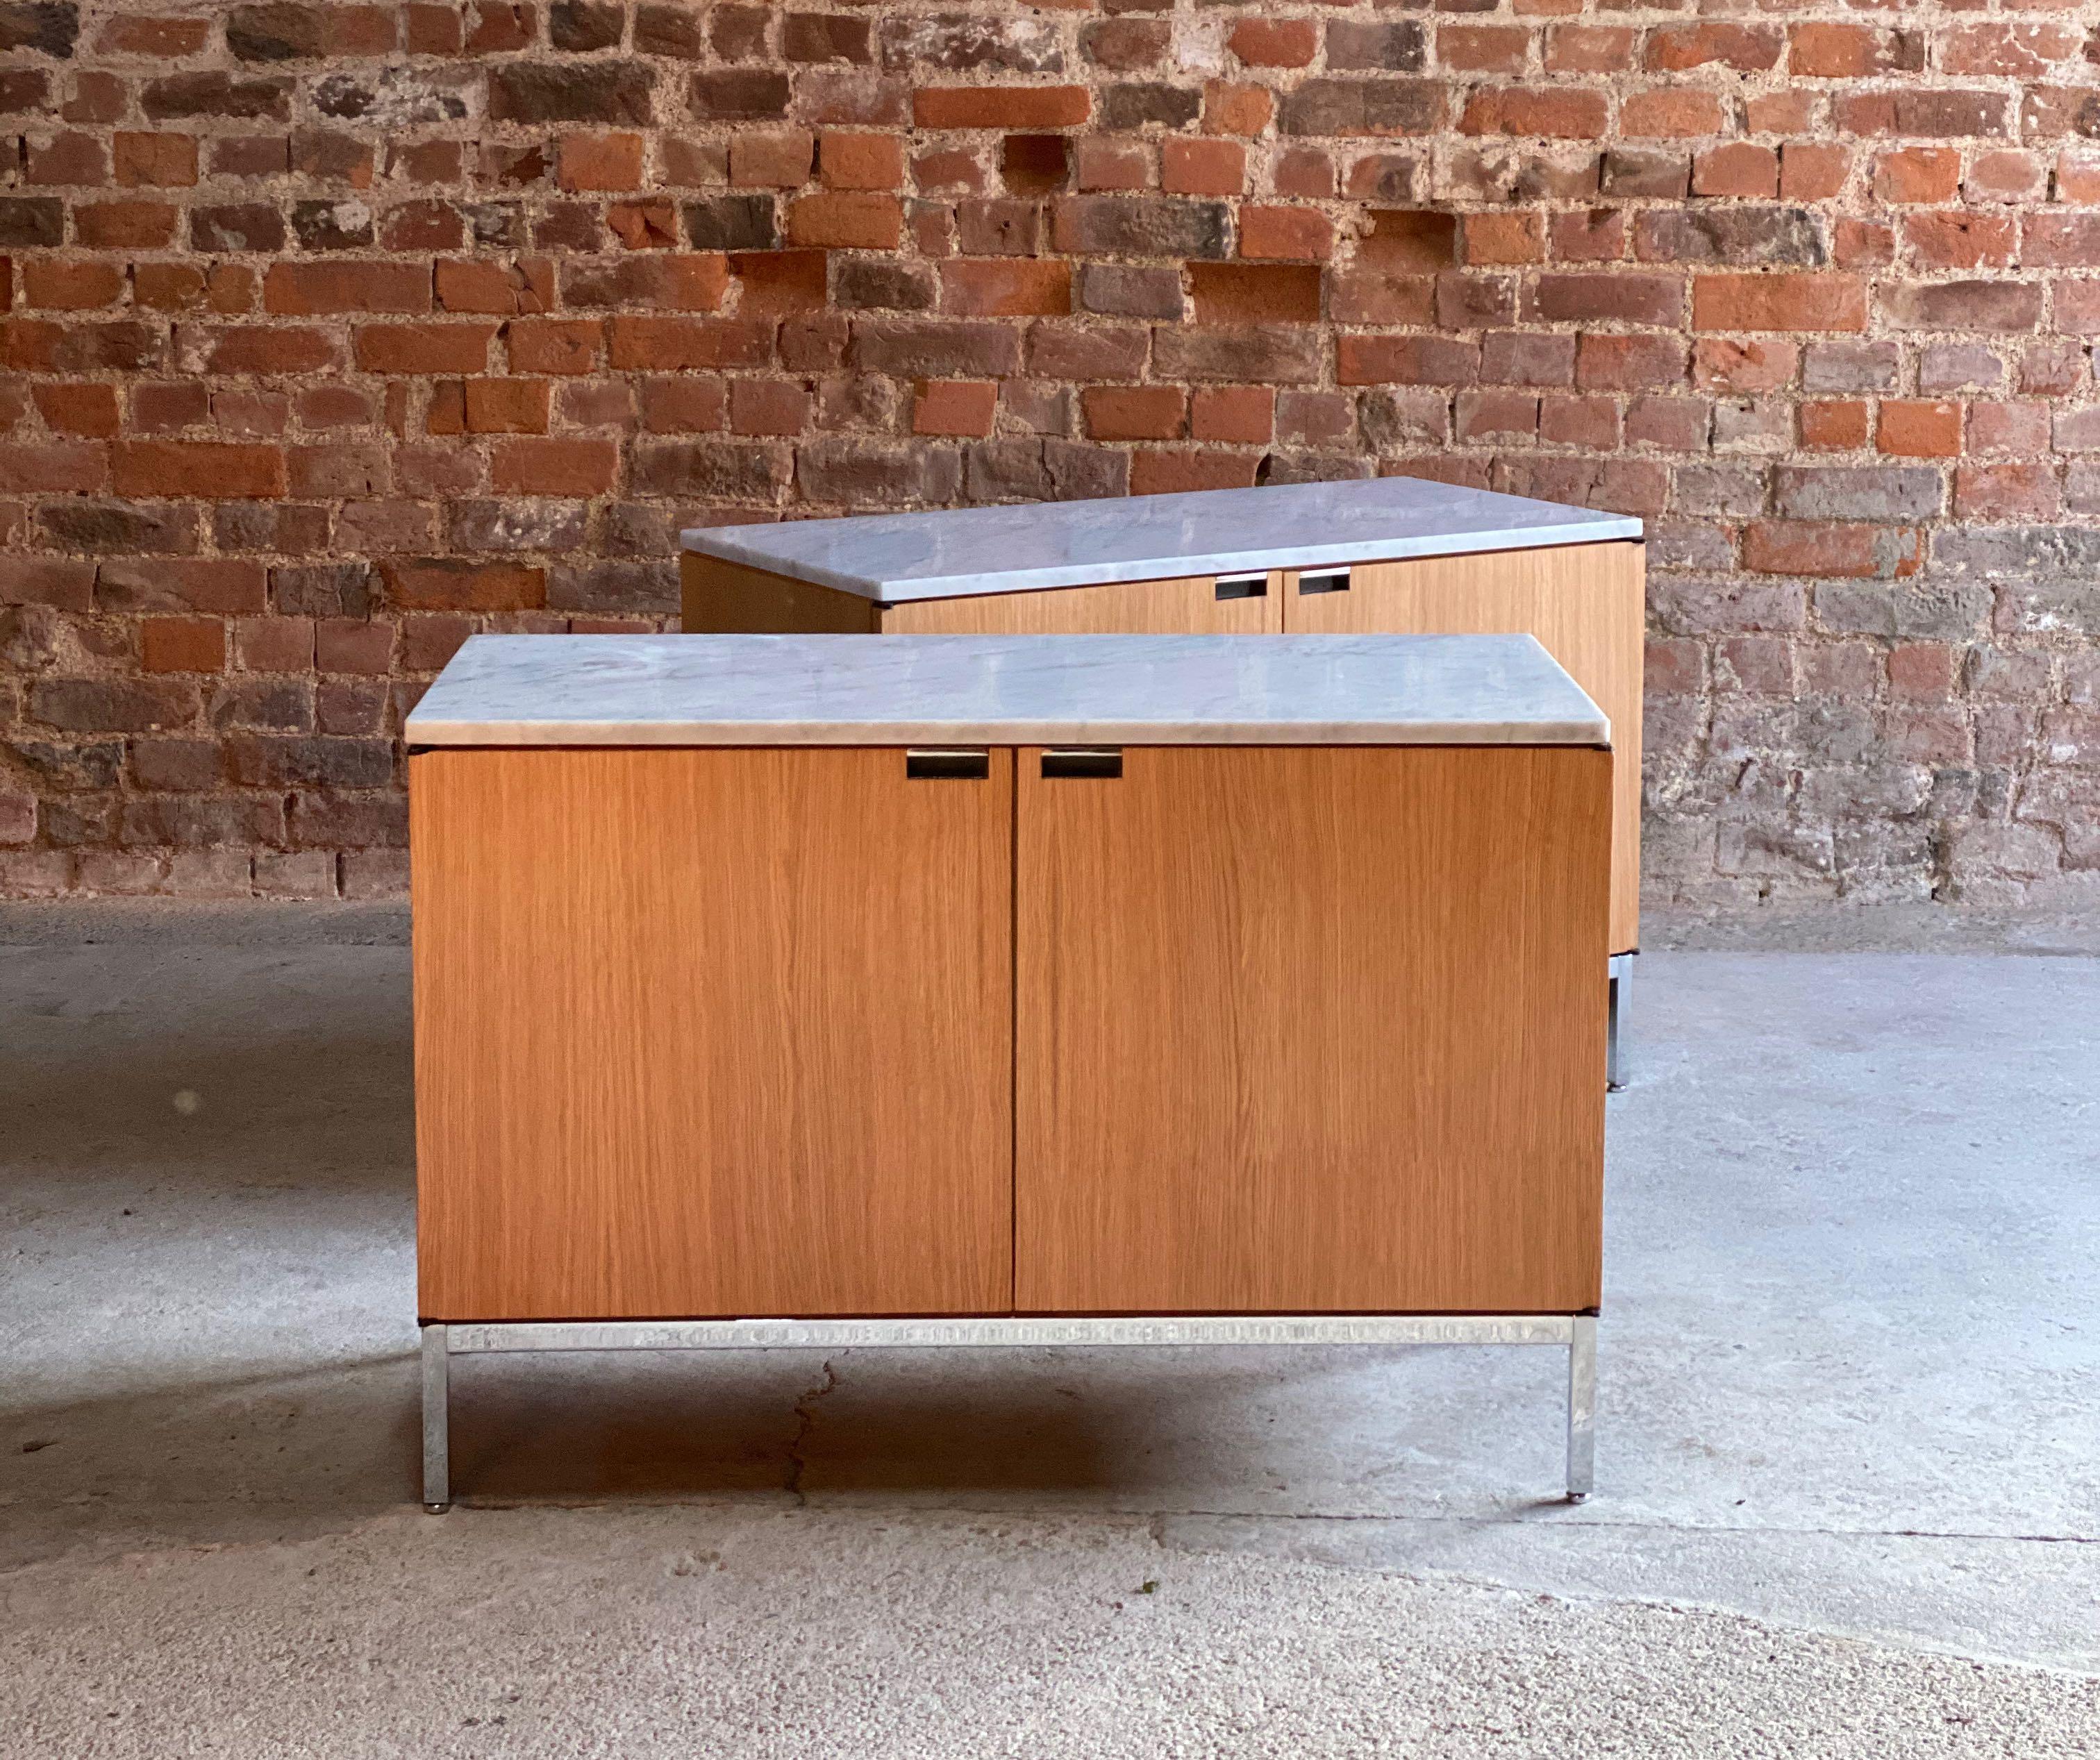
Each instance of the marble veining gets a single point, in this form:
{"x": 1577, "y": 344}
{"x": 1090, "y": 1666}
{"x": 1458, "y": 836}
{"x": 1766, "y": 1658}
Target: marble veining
{"x": 957, "y": 552}
{"x": 826, "y": 690}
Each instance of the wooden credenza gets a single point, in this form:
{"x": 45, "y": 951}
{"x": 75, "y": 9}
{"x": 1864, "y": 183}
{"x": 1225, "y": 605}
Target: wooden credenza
{"x": 1392, "y": 555}
{"x": 1003, "y": 981}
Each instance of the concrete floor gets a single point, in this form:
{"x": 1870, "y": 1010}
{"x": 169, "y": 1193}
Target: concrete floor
{"x": 1849, "y": 1462}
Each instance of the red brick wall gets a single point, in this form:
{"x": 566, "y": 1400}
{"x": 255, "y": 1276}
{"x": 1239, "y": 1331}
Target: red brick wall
{"x": 334, "y": 331}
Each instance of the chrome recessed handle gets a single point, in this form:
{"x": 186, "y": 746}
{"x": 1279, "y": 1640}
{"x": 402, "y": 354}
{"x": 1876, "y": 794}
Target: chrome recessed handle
{"x": 1326, "y": 580}
{"x": 927, "y": 764}
{"x": 1105, "y": 761}
{"x": 1241, "y": 587}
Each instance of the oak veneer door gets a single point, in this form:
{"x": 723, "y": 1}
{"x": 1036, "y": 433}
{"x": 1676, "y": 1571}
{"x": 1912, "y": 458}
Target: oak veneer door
{"x": 711, "y": 1032}
{"x": 1587, "y": 605}
{"x": 1306, "y": 1029}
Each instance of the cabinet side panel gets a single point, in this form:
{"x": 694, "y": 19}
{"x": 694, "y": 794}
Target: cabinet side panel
{"x": 1586, "y": 603}
{"x": 711, "y": 1033}
{"x": 1304, "y": 1028}
{"x": 719, "y": 598}
{"x": 1188, "y": 606}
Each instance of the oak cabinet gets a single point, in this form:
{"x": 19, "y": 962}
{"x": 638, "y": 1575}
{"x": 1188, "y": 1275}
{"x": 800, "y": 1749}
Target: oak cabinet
{"x": 1579, "y": 588}
{"x": 874, "y": 1029}
{"x": 807, "y": 989}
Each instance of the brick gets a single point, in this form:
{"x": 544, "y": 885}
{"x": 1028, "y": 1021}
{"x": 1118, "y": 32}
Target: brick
{"x": 554, "y": 466}
{"x": 1921, "y": 113}
{"x": 2023, "y": 49}
{"x": 781, "y": 159}
{"x": 1851, "y": 52}
{"x": 1959, "y": 239}
{"x": 1565, "y": 114}
{"x": 1179, "y": 472}
{"x": 458, "y": 584}
{"x": 154, "y": 159}
{"x": 1746, "y": 48}
{"x": 1202, "y": 166}
{"x": 1980, "y": 305}
{"x": 861, "y": 220}
{"x": 59, "y": 285}
{"x": 1240, "y": 294}
{"x": 310, "y": 288}
{"x": 202, "y": 468}
{"x": 1000, "y": 106}
{"x": 1740, "y": 168}
{"x": 83, "y": 411}
{"x": 424, "y": 348}
{"x": 1915, "y": 428}
{"x": 602, "y": 91}
{"x": 1590, "y": 48}
{"x": 611, "y": 162}
{"x": 1274, "y": 42}
{"x": 480, "y": 284}
{"x": 999, "y": 287}
{"x": 1139, "y": 226}
{"x": 1135, "y": 413}
{"x": 1642, "y": 299}
{"x": 2005, "y": 176}
{"x": 1507, "y": 238}
{"x": 1232, "y": 109}
{"x": 2006, "y": 493}
{"x": 32, "y": 223}
{"x": 1778, "y": 302}
{"x": 963, "y": 408}
{"x": 182, "y": 645}
{"x": 118, "y": 225}
{"x": 1831, "y": 550}
{"x": 1480, "y": 48}
{"x": 1281, "y": 233}
{"x": 1838, "y": 424}
{"x": 507, "y": 406}
{"x": 1675, "y": 111}
{"x": 1240, "y": 414}
{"x": 1813, "y": 171}
{"x": 1744, "y": 364}
{"x": 846, "y": 160}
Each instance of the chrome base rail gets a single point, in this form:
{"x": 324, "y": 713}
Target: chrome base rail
{"x": 441, "y": 1341}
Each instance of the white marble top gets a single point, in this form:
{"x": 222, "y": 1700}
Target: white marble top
{"x": 895, "y": 556}
{"x": 843, "y": 691}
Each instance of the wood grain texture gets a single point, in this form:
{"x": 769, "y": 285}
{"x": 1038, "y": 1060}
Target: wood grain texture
{"x": 719, "y": 598}
{"x": 1131, "y": 608}
{"x": 1586, "y": 603}
{"x": 711, "y": 1032}
{"x": 1307, "y": 1028}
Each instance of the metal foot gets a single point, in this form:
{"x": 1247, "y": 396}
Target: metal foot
{"x": 1620, "y": 969}
{"x": 437, "y": 1423}
{"x": 1582, "y": 1408}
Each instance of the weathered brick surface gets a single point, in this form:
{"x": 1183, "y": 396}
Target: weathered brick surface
{"x": 332, "y": 333}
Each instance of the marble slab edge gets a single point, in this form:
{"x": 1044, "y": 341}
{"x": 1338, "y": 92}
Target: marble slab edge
{"x": 709, "y": 541}
{"x": 892, "y": 733}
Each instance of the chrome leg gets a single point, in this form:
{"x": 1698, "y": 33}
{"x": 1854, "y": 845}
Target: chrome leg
{"x": 1621, "y": 970}
{"x": 1582, "y": 1408}
{"x": 437, "y": 1422}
